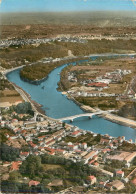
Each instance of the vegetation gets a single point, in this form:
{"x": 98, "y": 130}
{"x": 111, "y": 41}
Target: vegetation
{"x": 3, "y": 131}
{"x": 114, "y": 164}
{"x": 88, "y": 138}
{"x": 99, "y": 46}
{"x": 31, "y": 54}
{"x": 24, "y": 108}
{"x": 64, "y": 84}
{"x": 11, "y": 186}
{"x": 102, "y": 103}
{"x": 8, "y": 153}
{"x": 128, "y": 110}
{"x": 4, "y": 84}
{"x": 39, "y": 71}
{"x": 59, "y": 168}
{"x": 127, "y": 147}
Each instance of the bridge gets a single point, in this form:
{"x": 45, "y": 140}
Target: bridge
{"x": 89, "y": 115}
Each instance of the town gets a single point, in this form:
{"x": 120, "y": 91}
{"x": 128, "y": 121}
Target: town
{"x": 114, "y": 158}
{"x": 20, "y": 42}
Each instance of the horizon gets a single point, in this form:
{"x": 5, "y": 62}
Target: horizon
{"x": 14, "y": 6}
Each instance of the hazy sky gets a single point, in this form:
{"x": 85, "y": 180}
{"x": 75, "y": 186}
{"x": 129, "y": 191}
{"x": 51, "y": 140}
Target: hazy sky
{"x": 65, "y": 5}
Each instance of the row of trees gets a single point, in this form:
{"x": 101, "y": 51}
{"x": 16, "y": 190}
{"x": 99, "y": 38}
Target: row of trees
{"x": 16, "y": 187}
{"x": 33, "y": 167}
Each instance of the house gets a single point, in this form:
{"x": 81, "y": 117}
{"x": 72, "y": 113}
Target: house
{"x": 105, "y": 141}
{"x": 33, "y": 183}
{"x": 6, "y": 164}
{"x": 23, "y": 155}
{"x": 96, "y": 164}
{"x": 60, "y": 151}
{"x": 108, "y": 186}
{"x": 30, "y": 124}
{"x": 120, "y": 139}
{"x": 89, "y": 156}
{"x": 111, "y": 145}
{"x": 58, "y": 138}
{"x": 91, "y": 162}
{"x": 106, "y": 150}
{"x": 49, "y": 143}
{"x": 34, "y": 146}
{"x": 102, "y": 184}
{"x": 41, "y": 138}
{"x": 75, "y": 134}
{"x": 72, "y": 147}
{"x": 130, "y": 141}
{"x": 84, "y": 146}
{"x": 123, "y": 156}
{"x": 130, "y": 157}
{"x": 91, "y": 179}
{"x": 95, "y": 157}
{"x": 117, "y": 185}
{"x": 120, "y": 173}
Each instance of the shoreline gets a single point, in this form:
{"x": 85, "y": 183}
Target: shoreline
{"x": 110, "y": 117}
{"x": 116, "y": 119}
{"x": 35, "y": 104}
{"x": 37, "y": 82}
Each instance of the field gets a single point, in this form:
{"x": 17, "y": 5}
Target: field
{"x": 10, "y": 96}
{"x": 93, "y": 69}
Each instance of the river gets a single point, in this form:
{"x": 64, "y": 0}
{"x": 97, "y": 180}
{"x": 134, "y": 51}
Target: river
{"x": 57, "y": 105}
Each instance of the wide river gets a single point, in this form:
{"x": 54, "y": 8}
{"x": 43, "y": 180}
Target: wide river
{"x": 57, "y": 105}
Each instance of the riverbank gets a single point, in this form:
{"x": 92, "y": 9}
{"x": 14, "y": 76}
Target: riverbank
{"x": 37, "y": 107}
{"x": 113, "y": 118}
{"x": 110, "y": 117}
{"x": 37, "y": 73}
{"x": 121, "y": 120}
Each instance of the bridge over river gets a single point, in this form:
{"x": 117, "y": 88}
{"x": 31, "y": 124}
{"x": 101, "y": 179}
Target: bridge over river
{"x": 90, "y": 115}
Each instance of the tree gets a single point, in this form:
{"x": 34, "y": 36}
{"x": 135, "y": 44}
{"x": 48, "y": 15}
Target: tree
{"x": 14, "y": 176}
{"x": 31, "y": 166}
{"x": 24, "y": 108}
{"x": 8, "y": 153}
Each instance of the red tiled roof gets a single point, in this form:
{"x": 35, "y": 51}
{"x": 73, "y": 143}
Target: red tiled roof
{"x": 84, "y": 143}
{"x": 75, "y": 132}
{"x": 24, "y": 153}
{"x": 50, "y": 141}
{"x": 91, "y": 161}
{"x": 41, "y": 137}
{"x": 96, "y": 163}
{"x": 59, "y": 150}
{"x": 119, "y": 172}
{"x": 15, "y": 165}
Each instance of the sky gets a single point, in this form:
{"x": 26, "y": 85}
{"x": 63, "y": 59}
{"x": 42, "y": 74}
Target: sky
{"x": 65, "y": 5}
